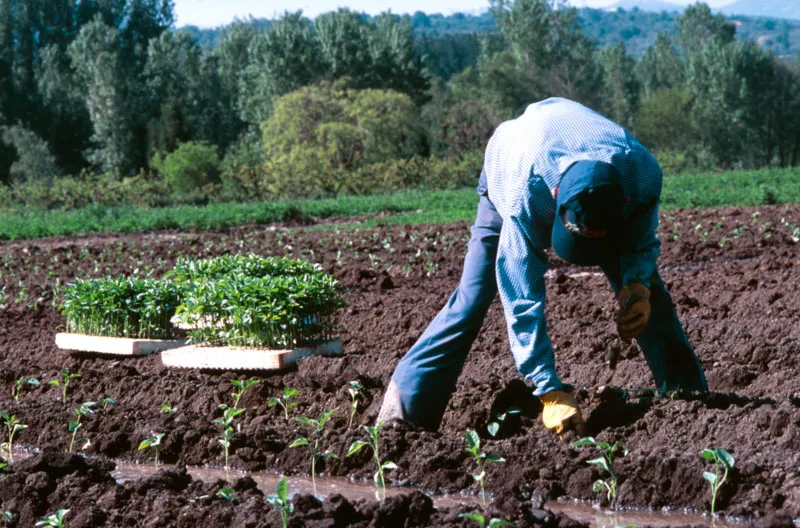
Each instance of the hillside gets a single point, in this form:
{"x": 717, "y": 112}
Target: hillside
{"x": 764, "y": 8}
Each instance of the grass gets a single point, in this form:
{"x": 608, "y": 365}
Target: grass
{"x": 703, "y": 190}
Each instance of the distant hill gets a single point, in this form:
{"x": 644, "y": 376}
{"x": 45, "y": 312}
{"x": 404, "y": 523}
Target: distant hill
{"x": 647, "y": 5}
{"x": 764, "y": 8}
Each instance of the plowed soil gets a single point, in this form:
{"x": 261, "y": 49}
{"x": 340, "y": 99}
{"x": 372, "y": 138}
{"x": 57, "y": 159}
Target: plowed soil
{"x": 734, "y": 275}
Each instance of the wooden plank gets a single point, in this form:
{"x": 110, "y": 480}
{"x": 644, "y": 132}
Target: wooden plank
{"x": 115, "y": 346}
{"x": 238, "y": 358}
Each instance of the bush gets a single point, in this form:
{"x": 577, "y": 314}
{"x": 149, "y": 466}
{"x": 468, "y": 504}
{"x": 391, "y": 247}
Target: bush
{"x": 190, "y": 168}
{"x": 35, "y": 162}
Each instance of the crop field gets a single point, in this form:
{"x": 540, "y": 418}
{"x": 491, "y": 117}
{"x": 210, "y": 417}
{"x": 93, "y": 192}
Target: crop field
{"x": 734, "y": 276}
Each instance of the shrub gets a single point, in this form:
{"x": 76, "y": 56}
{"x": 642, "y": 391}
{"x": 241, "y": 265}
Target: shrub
{"x": 192, "y": 166}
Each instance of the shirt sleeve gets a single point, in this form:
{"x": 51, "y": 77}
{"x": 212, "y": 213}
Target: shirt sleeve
{"x": 641, "y": 246}
{"x": 521, "y": 265}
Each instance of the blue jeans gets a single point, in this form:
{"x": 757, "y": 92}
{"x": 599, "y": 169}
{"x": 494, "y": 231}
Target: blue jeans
{"x": 426, "y": 376}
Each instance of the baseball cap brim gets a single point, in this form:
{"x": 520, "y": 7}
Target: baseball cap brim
{"x": 579, "y": 250}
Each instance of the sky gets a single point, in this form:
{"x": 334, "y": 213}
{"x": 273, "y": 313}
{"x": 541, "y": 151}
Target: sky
{"x": 213, "y": 13}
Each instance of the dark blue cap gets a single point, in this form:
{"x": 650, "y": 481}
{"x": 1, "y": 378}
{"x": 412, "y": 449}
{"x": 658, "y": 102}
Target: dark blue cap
{"x": 589, "y": 204}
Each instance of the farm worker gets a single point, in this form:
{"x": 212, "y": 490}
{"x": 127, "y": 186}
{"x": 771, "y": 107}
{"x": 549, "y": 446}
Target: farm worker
{"x": 560, "y": 176}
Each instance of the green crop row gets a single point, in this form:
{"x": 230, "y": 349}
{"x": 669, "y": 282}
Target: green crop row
{"x": 253, "y": 301}
{"x": 703, "y": 190}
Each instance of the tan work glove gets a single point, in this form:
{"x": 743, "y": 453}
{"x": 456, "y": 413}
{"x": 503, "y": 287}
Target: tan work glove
{"x": 634, "y": 310}
{"x": 561, "y": 413}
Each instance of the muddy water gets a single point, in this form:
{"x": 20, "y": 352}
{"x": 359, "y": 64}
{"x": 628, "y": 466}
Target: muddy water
{"x": 600, "y": 518}
{"x": 326, "y": 486}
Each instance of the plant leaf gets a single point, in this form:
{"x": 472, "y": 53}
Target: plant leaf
{"x": 356, "y": 446}
{"x": 389, "y": 465}
{"x": 585, "y": 441}
{"x": 496, "y": 523}
{"x": 598, "y": 486}
{"x": 479, "y": 476}
{"x": 712, "y": 478}
{"x": 282, "y": 489}
{"x": 473, "y": 440}
{"x": 600, "y": 462}
{"x": 494, "y": 458}
{"x": 146, "y": 443}
{"x": 726, "y": 458}
{"x": 493, "y": 428}
{"x": 302, "y": 441}
{"x": 330, "y": 454}
{"x": 476, "y": 517}
{"x": 708, "y": 454}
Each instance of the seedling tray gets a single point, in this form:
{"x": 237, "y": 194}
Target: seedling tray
{"x": 115, "y": 346}
{"x": 236, "y": 358}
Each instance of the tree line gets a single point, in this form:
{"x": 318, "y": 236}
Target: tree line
{"x": 352, "y": 103}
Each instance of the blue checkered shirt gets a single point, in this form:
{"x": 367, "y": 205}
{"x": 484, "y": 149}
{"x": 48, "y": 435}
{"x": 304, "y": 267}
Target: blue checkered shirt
{"x": 523, "y": 165}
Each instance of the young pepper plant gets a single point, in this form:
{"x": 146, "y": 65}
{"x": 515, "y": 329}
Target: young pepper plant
{"x": 241, "y": 387}
{"x": 354, "y": 389}
{"x": 606, "y": 462}
{"x": 285, "y": 401}
{"x": 724, "y": 462}
{"x": 85, "y": 409}
{"x": 24, "y": 380}
{"x": 154, "y": 442}
{"x": 56, "y": 520}
{"x": 481, "y": 520}
{"x": 281, "y": 502}
{"x": 317, "y": 426}
{"x": 62, "y": 380}
{"x": 374, "y": 439}
{"x": 229, "y": 414}
{"x": 481, "y": 459}
{"x": 13, "y": 426}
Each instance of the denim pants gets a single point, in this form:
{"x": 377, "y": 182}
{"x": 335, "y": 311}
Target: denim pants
{"x": 426, "y": 376}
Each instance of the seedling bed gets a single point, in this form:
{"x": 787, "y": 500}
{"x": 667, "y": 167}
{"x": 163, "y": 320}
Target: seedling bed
{"x": 115, "y": 346}
{"x": 244, "y": 358}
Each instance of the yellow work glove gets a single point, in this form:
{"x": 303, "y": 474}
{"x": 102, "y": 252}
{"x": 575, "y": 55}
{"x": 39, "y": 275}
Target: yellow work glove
{"x": 634, "y": 310}
{"x": 561, "y": 413}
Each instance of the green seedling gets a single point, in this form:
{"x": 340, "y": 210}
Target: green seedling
{"x": 317, "y": 426}
{"x": 7, "y": 515}
{"x": 354, "y": 389}
{"x": 226, "y": 422}
{"x": 109, "y": 400}
{"x": 85, "y": 409}
{"x": 55, "y": 520}
{"x": 606, "y": 462}
{"x": 374, "y": 436}
{"x": 281, "y": 502}
{"x": 3, "y": 465}
{"x": 494, "y": 427}
{"x": 31, "y": 382}
{"x": 62, "y": 380}
{"x": 285, "y": 401}
{"x": 154, "y": 442}
{"x": 723, "y": 462}
{"x": 167, "y": 408}
{"x": 226, "y": 493}
{"x": 241, "y": 387}
{"x": 13, "y": 426}
{"x": 481, "y": 459}
{"x": 481, "y": 520}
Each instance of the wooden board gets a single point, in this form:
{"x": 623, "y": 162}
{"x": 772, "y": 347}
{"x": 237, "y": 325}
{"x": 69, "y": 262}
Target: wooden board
{"x": 115, "y": 346}
{"x": 234, "y": 358}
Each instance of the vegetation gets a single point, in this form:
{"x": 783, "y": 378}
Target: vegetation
{"x": 13, "y": 426}
{"x": 354, "y": 389}
{"x": 317, "y": 428}
{"x": 84, "y": 409}
{"x": 20, "y": 382}
{"x": 229, "y": 414}
{"x": 257, "y": 302}
{"x": 480, "y": 459}
{"x": 606, "y": 462}
{"x": 55, "y": 520}
{"x": 281, "y": 502}
{"x": 241, "y": 387}
{"x": 154, "y": 442}
{"x": 285, "y": 401}
{"x": 723, "y": 463}
{"x": 121, "y": 307}
{"x": 481, "y": 520}
{"x": 374, "y": 442}
{"x": 62, "y": 380}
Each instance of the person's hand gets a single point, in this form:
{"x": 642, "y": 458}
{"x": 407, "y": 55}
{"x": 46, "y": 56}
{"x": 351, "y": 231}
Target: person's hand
{"x": 561, "y": 413}
{"x": 634, "y": 310}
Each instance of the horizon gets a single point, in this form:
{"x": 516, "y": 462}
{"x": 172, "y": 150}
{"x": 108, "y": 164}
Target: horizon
{"x": 213, "y": 13}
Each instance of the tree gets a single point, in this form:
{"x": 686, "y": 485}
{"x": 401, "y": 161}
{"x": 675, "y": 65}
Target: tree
{"x": 697, "y": 25}
{"x": 661, "y": 67}
{"x": 34, "y": 160}
{"x": 620, "y": 94}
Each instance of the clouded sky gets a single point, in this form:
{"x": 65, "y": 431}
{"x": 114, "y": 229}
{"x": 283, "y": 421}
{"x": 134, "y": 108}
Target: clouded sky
{"x": 212, "y": 13}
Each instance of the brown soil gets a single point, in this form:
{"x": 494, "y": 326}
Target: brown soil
{"x": 734, "y": 275}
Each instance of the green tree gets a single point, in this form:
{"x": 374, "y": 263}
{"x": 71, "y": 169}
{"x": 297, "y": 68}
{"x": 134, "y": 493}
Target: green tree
{"x": 620, "y": 93}
{"x": 697, "y": 25}
{"x": 34, "y": 160}
{"x": 661, "y": 67}
{"x": 190, "y": 167}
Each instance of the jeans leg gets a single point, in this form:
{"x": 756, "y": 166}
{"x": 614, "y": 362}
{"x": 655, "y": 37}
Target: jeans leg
{"x": 426, "y": 376}
{"x": 664, "y": 344}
